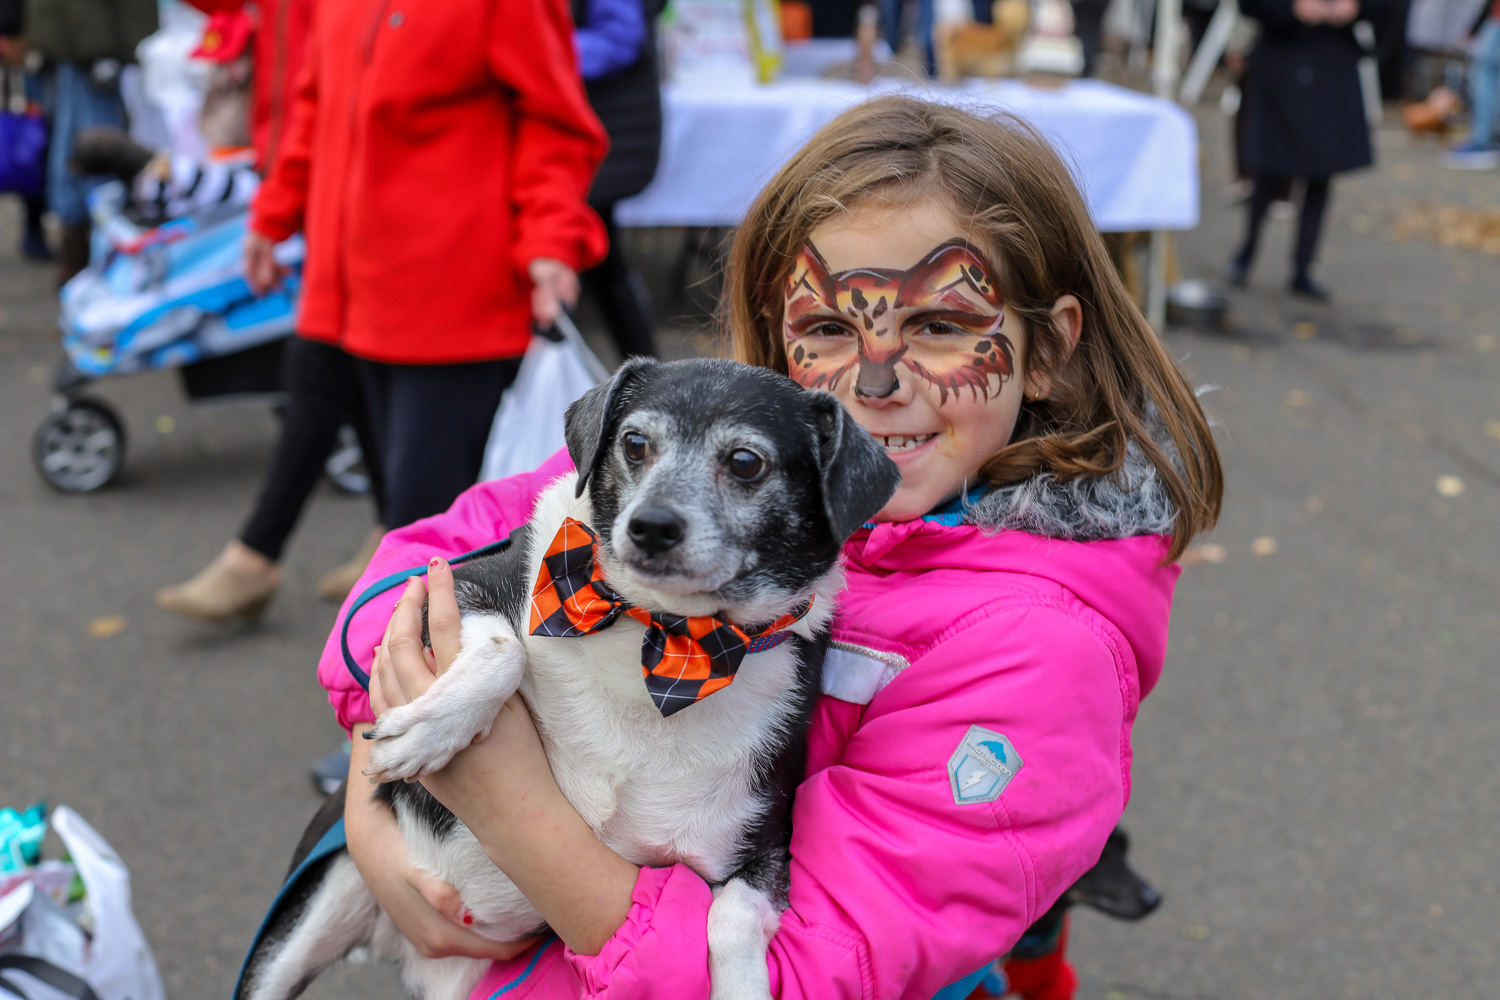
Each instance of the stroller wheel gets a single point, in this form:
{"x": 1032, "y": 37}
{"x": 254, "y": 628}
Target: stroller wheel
{"x": 80, "y": 448}
{"x": 345, "y": 467}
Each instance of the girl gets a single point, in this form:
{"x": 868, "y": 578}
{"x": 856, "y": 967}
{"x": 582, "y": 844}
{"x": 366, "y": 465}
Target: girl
{"x": 938, "y": 271}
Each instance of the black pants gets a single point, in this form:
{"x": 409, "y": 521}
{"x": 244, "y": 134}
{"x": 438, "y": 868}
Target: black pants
{"x": 621, "y": 295}
{"x": 430, "y": 423}
{"x": 323, "y": 394}
{"x": 1309, "y": 221}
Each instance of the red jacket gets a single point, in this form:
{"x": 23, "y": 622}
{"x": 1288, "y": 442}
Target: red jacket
{"x": 280, "y": 43}
{"x": 435, "y": 148}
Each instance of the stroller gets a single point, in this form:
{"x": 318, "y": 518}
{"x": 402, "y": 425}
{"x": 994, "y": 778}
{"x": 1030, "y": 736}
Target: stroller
{"x": 167, "y": 295}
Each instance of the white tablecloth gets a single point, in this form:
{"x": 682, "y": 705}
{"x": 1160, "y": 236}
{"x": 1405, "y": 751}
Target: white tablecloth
{"x": 1135, "y": 156}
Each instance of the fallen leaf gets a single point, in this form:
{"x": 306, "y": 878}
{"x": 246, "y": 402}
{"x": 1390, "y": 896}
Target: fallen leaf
{"x": 165, "y": 424}
{"x": 1195, "y": 932}
{"x": 108, "y": 626}
{"x": 1450, "y": 486}
{"x": 1304, "y": 330}
{"x": 36, "y": 376}
{"x": 1313, "y": 505}
{"x": 1265, "y": 545}
{"x": 1492, "y": 428}
{"x": 1486, "y": 342}
{"x": 1296, "y": 398}
{"x": 1200, "y": 554}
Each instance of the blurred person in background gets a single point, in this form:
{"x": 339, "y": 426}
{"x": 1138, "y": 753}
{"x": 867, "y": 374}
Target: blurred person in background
{"x": 1480, "y": 151}
{"x": 13, "y": 59}
{"x": 616, "y": 43}
{"x": 438, "y": 159}
{"x": 86, "y": 44}
{"x": 1302, "y": 116}
{"x": 322, "y": 384}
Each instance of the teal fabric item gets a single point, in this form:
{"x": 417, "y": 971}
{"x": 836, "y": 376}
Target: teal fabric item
{"x": 526, "y": 972}
{"x": 952, "y": 512}
{"x": 961, "y": 989}
{"x": 330, "y": 843}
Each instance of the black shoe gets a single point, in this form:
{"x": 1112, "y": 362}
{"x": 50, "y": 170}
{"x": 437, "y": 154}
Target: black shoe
{"x": 34, "y": 245}
{"x": 1304, "y": 287}
{"x": 1238, "y": 272}
{"x": 330, "y": 770}
{"x": 104, "y": 150}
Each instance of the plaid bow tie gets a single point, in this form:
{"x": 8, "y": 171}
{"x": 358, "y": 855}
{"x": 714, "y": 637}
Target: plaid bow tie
{"x": 684, "y": 660}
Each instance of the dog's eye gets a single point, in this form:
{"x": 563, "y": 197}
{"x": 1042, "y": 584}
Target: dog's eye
{"x": 633, "y": 445}
{"x": 746, "y": 466}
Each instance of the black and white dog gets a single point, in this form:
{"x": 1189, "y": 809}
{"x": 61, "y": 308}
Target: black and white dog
{"x": 718, "y": 491}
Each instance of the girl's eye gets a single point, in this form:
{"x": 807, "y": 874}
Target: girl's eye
{"x": 746, "y": 466}
{"x": 938, "y": 328}
{"x": 633, "y": 445}
{"x": 827, "y": 330}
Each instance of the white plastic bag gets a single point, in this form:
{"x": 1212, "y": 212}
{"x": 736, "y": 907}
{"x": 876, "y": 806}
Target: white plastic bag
{"x": 115, "y": 960}
{"x": 528, "y": 425}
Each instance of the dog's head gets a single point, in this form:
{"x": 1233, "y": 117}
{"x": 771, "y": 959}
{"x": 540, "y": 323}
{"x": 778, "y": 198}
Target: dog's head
{"x": 719, "y": 487}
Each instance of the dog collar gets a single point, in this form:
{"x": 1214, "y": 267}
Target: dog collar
{"x": 683, "y": 659}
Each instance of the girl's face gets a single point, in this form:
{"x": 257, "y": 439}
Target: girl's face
{"x": 896, "y": 312}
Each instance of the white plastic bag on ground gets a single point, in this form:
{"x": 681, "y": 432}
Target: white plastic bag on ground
{"x": 115, "y": 961}
{"x": 528, "y": 425}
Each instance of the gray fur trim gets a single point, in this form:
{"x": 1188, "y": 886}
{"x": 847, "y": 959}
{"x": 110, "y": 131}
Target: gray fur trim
{"x": 1131, "y": 502}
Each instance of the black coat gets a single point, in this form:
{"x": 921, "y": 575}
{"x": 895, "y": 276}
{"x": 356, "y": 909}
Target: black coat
{"x": 628, "y": 103}
{"x": 1303, "y": 114}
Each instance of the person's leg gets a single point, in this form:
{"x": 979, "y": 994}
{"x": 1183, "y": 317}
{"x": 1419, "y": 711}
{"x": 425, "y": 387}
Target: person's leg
{"x": 33, "y": 237}
{"x": 1261, "y": 196}
{"x": 1309, "y": 228}
{"x": 79, "y": 103}
{"x": 322, "y": 395}
{"x": 621, "y": 295}
{"x": 1484, "y": 87}
{"x": 437, "y": 419}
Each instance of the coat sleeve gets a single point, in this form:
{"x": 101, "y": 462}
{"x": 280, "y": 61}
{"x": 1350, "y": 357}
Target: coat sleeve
{"x": 481, "y": 514}
{"x": 896, "y": 890}
{"x": 1272, "y": 14}
{"x": 281, "y": 202}
{"x": 558, "y": 142}
{"x": 611, "y": 37}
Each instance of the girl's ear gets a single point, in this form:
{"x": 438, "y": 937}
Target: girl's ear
{"x": 1067, "y": 320}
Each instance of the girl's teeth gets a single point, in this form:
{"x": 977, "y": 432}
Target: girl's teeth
{"x": 905, "y": 442}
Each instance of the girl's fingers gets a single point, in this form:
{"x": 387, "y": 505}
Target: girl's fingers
{"x": 403, "y": 651}
{"x": 442, "y": 613}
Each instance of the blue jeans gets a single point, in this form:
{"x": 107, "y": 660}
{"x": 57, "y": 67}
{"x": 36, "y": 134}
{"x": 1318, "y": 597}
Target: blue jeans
{"x": 1484, "y": 84}
{"x": 78, "y": 103}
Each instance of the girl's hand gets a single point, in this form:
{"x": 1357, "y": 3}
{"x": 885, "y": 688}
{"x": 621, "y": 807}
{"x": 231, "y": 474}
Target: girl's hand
{"x": 1309, "y": 11}
{"x": 502, "y": 787}
{"x": 424, "y": 907}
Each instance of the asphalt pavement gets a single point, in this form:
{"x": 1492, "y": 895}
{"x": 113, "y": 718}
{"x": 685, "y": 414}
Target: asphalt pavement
{"x": 1315, "y": 789}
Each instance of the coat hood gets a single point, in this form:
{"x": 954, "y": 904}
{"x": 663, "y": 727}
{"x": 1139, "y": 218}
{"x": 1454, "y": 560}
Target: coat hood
{"x": 1105, "y": 540}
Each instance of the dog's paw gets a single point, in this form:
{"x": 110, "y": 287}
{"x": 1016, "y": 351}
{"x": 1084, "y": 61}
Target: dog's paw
{"x": 409, "y": 742}
{"x": 741, "y": 922}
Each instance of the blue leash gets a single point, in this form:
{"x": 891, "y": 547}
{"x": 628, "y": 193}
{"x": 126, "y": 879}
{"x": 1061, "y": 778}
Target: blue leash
{"x": 386, "y": 583}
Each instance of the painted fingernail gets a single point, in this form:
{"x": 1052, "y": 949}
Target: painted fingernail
{"x": 435, "y": 563}
{"x": 468, "y": 917}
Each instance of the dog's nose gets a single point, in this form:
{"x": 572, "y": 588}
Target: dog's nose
{"x": 654, "y": 530}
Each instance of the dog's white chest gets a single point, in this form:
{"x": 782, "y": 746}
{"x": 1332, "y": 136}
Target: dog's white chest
{"x": 657, "y": 789}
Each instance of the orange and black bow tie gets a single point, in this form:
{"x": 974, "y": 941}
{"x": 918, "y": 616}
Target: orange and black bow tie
{"x": 684, "y": 660}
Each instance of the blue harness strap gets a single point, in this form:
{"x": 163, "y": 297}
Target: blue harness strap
{"x": 386, "y": 583}
{"x": 330, "y": 843}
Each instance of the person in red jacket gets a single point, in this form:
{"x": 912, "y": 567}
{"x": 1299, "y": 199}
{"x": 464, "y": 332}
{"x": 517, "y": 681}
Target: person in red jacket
{"x": 438, "y": 158}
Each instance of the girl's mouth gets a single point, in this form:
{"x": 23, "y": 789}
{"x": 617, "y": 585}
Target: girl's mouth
{"x": 897, "y": 444}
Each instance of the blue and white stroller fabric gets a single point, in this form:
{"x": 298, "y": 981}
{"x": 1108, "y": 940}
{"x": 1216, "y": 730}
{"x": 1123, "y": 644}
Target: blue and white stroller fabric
{"x": 162, "y": 296}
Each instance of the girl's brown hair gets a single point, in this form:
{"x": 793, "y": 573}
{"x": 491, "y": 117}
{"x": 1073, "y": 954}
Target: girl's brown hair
{"x": 1002, "y": 179}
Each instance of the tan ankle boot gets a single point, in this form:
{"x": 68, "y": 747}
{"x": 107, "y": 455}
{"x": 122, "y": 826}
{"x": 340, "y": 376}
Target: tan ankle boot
{"x": 224, "y": 592}
{"x": 336, "y": 583}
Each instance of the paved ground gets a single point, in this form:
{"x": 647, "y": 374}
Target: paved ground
{"x": 1315, "y": 789}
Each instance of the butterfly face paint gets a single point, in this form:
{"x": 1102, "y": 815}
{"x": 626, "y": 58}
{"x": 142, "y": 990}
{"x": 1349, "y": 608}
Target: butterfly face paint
{"x": 938, "y": 321}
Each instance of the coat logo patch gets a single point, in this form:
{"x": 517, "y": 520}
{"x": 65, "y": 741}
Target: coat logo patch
{"x": 982, "y": 766}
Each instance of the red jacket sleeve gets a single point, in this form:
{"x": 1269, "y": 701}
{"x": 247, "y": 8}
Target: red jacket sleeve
{"x": 281, "y": 202}
{"x": 558, "y": 143}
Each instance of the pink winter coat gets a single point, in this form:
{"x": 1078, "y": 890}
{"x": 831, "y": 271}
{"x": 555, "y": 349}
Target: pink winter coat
{"x": 908, "y": 872}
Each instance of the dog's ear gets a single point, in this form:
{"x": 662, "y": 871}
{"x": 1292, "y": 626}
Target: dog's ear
{"x": 858, "y": 476}
{"x": 590, "y": 421}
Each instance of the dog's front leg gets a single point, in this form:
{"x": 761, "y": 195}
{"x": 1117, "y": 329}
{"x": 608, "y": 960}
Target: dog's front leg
{"x": 421, "y": 736}
{"x": 741, "y": 922}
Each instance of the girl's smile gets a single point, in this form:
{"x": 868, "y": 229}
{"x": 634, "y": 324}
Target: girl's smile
{"x": 896, "y": 311}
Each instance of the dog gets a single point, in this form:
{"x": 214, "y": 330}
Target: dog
{"x": 711, "y": 488}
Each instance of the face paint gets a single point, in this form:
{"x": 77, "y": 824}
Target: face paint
{"x": 939, "y": 320}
